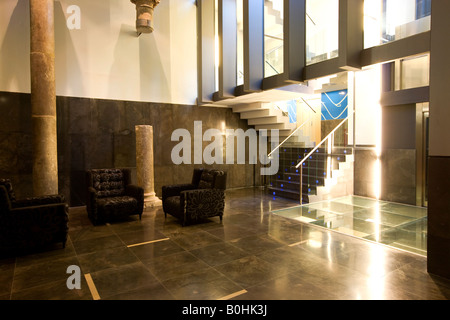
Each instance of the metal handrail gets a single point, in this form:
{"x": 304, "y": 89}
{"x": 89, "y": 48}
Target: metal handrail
{"x": 309, "y": 154}
{"x": 293, "y": 132}
{"x": 322, "y": 142}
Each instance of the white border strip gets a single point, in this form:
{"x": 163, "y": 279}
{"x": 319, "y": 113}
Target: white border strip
{"x": 147, "y": 242}
{"x": 230, "y": 296}
{"x": 92, "y": 286}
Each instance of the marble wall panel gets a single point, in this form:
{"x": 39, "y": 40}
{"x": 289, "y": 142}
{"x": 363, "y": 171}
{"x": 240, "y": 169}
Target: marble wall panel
{"x": 398, "y": 174}
{"x": 364, "y": 172}
{"x": 398, "y": 178}
{"x": 439, "y": 216}
{"x": 16, "y": 142}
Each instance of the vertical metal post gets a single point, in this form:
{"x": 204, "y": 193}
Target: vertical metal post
{"x": 301, "y": 184}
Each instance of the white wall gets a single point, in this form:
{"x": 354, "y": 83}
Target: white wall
{"x": 105, "y": 58}
{"x": 367, "y": 106}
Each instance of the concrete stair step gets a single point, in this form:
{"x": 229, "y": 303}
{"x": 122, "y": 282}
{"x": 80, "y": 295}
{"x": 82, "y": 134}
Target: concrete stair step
{"x": 265, "y": 121}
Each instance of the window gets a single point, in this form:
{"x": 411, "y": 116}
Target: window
{"x": 273, "y": 37}
{"x": 322, "y": 30}
{"x": 414, "y": 72}
{"x": 390, "y": 20}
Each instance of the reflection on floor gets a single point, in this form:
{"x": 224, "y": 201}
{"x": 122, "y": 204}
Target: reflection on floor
{"x": 397, "y": 225}
{"x": 252, "y": 255}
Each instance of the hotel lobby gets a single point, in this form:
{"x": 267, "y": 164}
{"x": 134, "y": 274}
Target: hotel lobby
{"x": 327, "y": 119}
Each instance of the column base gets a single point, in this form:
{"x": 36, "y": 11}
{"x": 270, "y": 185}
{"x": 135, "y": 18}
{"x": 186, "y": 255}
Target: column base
{"x": 151, "y": 200}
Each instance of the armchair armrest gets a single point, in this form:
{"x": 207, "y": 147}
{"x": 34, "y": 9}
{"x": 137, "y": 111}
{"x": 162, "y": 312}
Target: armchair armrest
{"x": 36, "y": 201}
{"x": 91, "y": 194}
{"x": 175, "y": 190}
{"x": 23, "y": 215}
{"x": 203, "y": 203}
{"x": 91, "y": 201}
{"x": 135, "y": 192}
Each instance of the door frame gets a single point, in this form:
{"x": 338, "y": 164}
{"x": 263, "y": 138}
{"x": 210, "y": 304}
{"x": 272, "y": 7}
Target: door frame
{"x": 422, "y": 114}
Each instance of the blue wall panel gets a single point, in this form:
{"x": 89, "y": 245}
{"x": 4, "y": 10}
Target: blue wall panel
{"x": 335, "y": 105}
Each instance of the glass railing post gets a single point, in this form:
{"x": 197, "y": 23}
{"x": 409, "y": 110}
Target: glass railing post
{"x": 301, "y": 185}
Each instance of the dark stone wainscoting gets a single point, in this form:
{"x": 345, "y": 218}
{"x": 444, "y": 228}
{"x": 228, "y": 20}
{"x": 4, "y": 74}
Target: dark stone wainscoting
{"x": 97, "y": 133}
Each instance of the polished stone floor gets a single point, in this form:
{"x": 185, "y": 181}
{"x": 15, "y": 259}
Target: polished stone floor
{"x": 253, "y": 254}
{"x": 397, "y": 225}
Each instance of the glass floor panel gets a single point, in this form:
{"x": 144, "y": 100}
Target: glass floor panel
{"x": 397, "y": 225}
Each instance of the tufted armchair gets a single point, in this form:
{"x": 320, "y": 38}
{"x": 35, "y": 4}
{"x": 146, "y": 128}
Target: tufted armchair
{"x": 204, "y": 197}
{"x": 111, "y": 195}
{"x": 30, "y": 223}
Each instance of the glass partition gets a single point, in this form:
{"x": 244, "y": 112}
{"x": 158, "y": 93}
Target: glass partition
{"x": 322, "y": 30}
{"x": 390, "y": 20}
{"x": 273, "y": 37}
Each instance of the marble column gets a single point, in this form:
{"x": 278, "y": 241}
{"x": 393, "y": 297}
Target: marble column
{"x": 144, "y": 165}
{"x": 43, "y": 97}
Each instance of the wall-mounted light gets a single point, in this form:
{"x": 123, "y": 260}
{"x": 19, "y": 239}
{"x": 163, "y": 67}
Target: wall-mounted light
{"x": 144, "y": 15}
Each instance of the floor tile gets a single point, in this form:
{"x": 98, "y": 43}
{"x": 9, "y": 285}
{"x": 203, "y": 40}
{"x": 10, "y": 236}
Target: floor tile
{"x": 6, "y": 276}
{"x": 219, "y": 253}
{"x": 122, "y": 279}
{"x": 201, "y": 285}
{"x": 147, "y": 252}
{"x": 175, "y": 265}
{"x": 190, "y": 241}
{"x": 42, "y": 273}
{"x": 109, "y": 258}
{"x": 230, "y": 232}
{"x": 286, "y": 287}
{"x": 101, "y": 243}
{"x": 154, "y": 291}
{"x": 53, "y": 290}
{"x": 248, "y": 271}
{"x": 256, "y": 243}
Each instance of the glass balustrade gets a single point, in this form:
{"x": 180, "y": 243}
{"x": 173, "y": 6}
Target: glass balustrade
{"x": 303, "y": 168}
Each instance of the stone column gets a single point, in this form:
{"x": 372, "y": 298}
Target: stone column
{"x": 144, "y": 15}
{"x": 144, "y": 165}
{"x": 43, "y": 97}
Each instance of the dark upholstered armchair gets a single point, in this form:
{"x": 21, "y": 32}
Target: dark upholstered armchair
{"x": 204, "y": 197}
{"x": 110, "y": 195}
{"x": 30, "y": 223}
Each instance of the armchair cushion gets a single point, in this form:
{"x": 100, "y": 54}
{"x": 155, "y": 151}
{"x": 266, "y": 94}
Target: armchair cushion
{"x": 115, "y": 206}
{"x": 206, "y": 179}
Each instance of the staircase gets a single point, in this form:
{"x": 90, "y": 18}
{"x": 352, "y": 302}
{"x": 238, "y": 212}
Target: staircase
{"x": 325, "y": 176}
{"x": 273, "y": 11}
{"x": 265, "y": 116}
